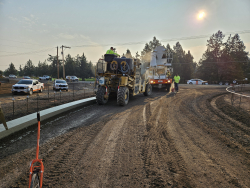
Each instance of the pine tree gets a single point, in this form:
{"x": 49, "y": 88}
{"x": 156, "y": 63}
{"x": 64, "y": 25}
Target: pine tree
{"x": 70, "y": 68}
{"x": 149, "y": 47}
{"x": 20, "y": 72}
{"x": 219, "y": 62}
{"x": 53, "y": 67}
{"x": 29, "y": 68}
{"x": 11, "y": 70}
{"x": 209, "y": 68}
{"x": 83, "y": 67}
{"x": 128, "y": 54}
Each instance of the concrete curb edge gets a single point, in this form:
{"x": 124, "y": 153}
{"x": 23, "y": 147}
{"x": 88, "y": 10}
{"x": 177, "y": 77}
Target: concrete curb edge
{"x": 31, "y": 119}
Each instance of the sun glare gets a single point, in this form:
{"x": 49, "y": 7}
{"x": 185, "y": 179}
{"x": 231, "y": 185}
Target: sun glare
{"x": 201, "y": 15}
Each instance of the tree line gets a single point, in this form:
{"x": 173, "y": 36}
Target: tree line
{"x": 224, "y": 61}
{"x": 77, "y": 66}
{"x": 182, "y": 63}
{"x": 221, "y": 61}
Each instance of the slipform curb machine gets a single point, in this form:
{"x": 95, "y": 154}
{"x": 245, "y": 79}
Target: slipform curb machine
{"x": 122, "y": 77}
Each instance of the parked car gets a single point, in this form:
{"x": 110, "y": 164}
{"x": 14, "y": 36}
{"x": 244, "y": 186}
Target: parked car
{"x": 72, "y": 78}
{"x": 27, "y": 86}
{"x": 197, "y": 82}
{"x": 44, "y": 77}
{"x": 12, "y": 76}
{"x": 26, "y": 77}
{"x": 224, "y": 83}
{"x": 60, "y": 85}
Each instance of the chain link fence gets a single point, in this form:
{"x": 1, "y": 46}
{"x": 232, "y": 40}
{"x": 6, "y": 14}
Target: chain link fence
{"x": 23, "y": 104}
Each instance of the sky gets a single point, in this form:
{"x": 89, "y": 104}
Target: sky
{"x": 32, "y": 29}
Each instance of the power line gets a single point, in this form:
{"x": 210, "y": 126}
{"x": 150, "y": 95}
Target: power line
{"x": 123, "y": 44}
{"x": 22, "y": 42}
{"x": 9, "y": 52}
{"x": 25, "y": 53}
{"x": 14, "y": 46}
{"x": 163, "y": 40}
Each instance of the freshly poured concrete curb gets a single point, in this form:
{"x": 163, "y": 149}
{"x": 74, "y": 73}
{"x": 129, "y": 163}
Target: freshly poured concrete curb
{"x": 31, "y": 119}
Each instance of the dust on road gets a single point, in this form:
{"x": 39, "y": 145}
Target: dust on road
{"x": 185, "y": 140}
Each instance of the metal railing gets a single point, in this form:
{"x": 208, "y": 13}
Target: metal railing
{"x": 21, "y": 105}
{"x": 240, "y": 94}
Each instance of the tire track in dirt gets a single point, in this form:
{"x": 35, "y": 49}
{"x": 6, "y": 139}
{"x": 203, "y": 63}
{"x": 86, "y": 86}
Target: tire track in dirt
{"x": 61, "y": 155}
{"x": 164, "y": 166}
{"x": 236, "y": 130}
{"x": 96, "y": 161}
{"x": 204, "y": 149}
{"x": 127, "y": 166}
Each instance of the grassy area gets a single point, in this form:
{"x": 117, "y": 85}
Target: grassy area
{"x": 89, "y": 79}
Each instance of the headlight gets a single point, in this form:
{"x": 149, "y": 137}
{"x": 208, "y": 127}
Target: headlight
{"x": 151, "y": 81}
{"x": 168, "y": 80}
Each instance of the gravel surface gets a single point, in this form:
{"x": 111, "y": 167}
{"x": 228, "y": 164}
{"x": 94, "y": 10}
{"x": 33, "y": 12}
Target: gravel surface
{"x": 194, "y": 138}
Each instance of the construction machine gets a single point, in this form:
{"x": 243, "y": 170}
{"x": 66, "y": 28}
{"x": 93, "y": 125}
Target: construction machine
{"x": 122, "y": 77}
{"x": 160, "y": 69}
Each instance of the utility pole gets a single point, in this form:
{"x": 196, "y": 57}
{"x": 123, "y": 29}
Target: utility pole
{"x": 63, "y": 60}
{"x": 57, "y": 64}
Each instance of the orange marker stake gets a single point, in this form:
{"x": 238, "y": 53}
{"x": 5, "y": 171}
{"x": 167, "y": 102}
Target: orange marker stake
{"x": 40, "y": 167}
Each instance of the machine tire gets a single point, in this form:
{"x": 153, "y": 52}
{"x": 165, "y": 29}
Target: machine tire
{"x": 168, "y": 87}
{"x": 31, "y": 91}
{"x": 148, "y": 90}
{"x": 35, "y": 183}
{"x": 100, "y": 96}
{"x": 123, "y": 96}
{"x": 41, "y": 90}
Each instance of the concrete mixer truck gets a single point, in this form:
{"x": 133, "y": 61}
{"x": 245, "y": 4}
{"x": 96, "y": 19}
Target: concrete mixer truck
{"x": 160, "y": 70}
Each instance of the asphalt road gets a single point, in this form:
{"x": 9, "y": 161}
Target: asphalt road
{"x": 164, "y": 140}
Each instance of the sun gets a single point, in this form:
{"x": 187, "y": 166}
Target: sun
{"x": 201, "y": 15}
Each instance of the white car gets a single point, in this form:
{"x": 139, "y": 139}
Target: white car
{"x": 27, "y": 86}
{"x": 60, "y": 85}
{"x": 197, "y": 82}
{"x": 72, "y": 78}
{"x": 12, "y": 76}
{"x": 44, "y": 77}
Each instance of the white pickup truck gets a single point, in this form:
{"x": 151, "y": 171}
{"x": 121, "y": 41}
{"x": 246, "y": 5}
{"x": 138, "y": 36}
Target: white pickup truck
{"x": 27, "y": 86}
{"x": 44, "y": 77}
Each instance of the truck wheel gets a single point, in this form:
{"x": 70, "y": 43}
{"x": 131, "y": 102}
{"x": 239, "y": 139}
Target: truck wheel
{"x": 148, "y": 90}
{"x": 100, "y": 96}
{"x": 31, "y": 92}
{"x": 123, "y": 96}
{"x": 41, "y": 90}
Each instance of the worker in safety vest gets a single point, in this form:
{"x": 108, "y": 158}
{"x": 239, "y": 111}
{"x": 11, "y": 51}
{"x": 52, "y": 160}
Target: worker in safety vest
{"x": 111, "y": 51}
{"x": 177, "y": 79}
{"x": 168, "y": 74}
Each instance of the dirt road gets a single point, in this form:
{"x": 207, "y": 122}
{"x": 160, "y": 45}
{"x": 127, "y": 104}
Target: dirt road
{"x": 191, "y": 139}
